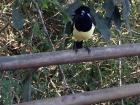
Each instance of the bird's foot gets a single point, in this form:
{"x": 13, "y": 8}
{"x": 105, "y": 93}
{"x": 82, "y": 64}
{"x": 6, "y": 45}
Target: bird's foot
{"x": 76, "y": 50}
{"x": 88, "y": 49}
{"x": 94, "y": 46}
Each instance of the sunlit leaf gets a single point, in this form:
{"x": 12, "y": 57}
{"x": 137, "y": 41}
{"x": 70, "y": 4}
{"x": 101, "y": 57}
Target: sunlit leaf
{"x": 45, "y": 4}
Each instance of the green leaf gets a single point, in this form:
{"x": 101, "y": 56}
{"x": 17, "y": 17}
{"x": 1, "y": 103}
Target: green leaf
{"x": 17, "y": 18}
{"x": 112, "y": 14}
{"x": 101, "y": 25}
{"x": 6, "y": 93}
{"x": 36, "y": 30}
{"x": 45, "y": 4}
{"x": 69, "y": 28}
{"x": 117, "y": 17}
{"x": 126, "y": 9}
{"x": 126, "y": 12}
{"x": 108, "y": 22}
{"x": 109, "y": 8}
{"x": 69, "y": 9}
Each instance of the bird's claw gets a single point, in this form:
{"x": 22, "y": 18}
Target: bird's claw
{"x": 88, "y": 49}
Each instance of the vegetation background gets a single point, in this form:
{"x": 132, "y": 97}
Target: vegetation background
{"x": 22, "y": 31}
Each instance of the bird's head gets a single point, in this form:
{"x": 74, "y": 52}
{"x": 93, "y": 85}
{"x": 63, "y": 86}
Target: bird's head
{"x": 83, "y": 11}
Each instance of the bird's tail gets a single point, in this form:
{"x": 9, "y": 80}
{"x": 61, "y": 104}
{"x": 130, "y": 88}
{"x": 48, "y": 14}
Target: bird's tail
{"x": 78, "y": 44}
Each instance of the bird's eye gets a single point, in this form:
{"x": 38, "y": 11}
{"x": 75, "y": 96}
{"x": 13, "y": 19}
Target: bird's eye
{"x": 82, "y": 12}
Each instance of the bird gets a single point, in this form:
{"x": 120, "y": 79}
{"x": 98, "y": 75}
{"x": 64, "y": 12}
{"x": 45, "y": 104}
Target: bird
{"x": 83, "y": 26}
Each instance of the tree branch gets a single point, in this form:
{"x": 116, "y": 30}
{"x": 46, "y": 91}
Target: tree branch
{"x": 90, "y": 97}
{"x": 68, "y": 56}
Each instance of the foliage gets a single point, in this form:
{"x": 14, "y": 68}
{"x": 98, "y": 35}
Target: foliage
{"x": 21, "y": 31}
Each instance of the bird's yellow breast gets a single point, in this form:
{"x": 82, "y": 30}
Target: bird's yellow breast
{"x": 79, "y": 35}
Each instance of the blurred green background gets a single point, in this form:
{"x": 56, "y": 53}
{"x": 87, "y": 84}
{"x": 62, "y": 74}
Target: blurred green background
{"x": 21, "y": 32}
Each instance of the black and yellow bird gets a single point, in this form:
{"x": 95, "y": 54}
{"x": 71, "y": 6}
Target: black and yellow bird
{"x": 83, "y": 26}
